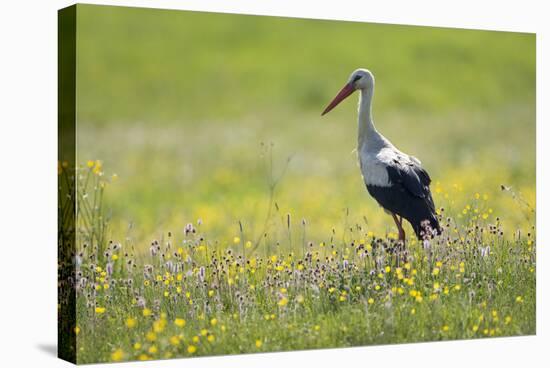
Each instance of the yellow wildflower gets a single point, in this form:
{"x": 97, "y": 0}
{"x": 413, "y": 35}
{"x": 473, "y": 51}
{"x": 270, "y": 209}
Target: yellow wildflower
{"x": 174, "y": 340}
{"x": 158, "y": 325}
{"x": 151, "y": 336}
{"x": 131, "y": 322}
{"x": 180, "y": 322}
{"x": 519, "y": 299}
{"x": 117, "y": 355}
{"x": 97, "y": 168}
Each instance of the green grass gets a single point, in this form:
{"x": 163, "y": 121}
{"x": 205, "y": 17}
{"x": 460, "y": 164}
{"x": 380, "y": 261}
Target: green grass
{"x": 196, "y": 113}
{"x": 181, "y": 62}
{"x": 178, "y": 103}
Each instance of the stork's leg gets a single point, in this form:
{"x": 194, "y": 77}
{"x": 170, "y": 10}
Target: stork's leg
{"x": 399, "y": 223}
{"x": 401, "y": 252}
{"x": 402, "y": 237}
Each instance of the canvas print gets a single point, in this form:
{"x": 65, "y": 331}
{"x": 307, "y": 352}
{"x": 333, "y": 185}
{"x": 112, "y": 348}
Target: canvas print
{"x": 234, "y": 184}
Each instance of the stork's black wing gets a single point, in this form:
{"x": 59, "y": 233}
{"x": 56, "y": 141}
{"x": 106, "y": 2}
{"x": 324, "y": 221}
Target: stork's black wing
{"x": 411, "y": 176}
{"x": 408, "y": 194}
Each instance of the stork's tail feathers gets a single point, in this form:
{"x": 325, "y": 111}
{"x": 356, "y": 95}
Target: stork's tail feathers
{"x": 427, "y": 229}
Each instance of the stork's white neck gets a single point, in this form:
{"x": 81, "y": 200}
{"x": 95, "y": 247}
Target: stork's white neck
{"x": 367, "y": 133}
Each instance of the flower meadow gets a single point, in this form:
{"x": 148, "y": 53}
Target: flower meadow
{"x": 186, "y": 294}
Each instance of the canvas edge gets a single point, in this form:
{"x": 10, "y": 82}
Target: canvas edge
{"x": 66, "y": 293}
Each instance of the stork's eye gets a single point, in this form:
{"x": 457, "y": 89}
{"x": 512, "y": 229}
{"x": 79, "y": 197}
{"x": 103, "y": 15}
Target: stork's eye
{"x": 356, "y": 78}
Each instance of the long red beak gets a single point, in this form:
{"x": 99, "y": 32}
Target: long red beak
{"x": 345, "y": 92}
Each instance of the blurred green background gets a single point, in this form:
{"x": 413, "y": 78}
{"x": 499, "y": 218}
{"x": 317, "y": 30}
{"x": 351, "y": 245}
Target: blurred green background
{"x": 178, "y": 103}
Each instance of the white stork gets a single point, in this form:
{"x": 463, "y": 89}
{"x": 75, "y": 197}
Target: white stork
{"x": 396, "y": 180}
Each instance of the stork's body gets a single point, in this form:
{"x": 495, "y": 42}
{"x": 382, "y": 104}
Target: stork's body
{"x": 394, "y": 179}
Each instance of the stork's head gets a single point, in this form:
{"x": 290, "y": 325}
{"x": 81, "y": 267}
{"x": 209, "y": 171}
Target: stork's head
{"x": 359, "y": 79}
